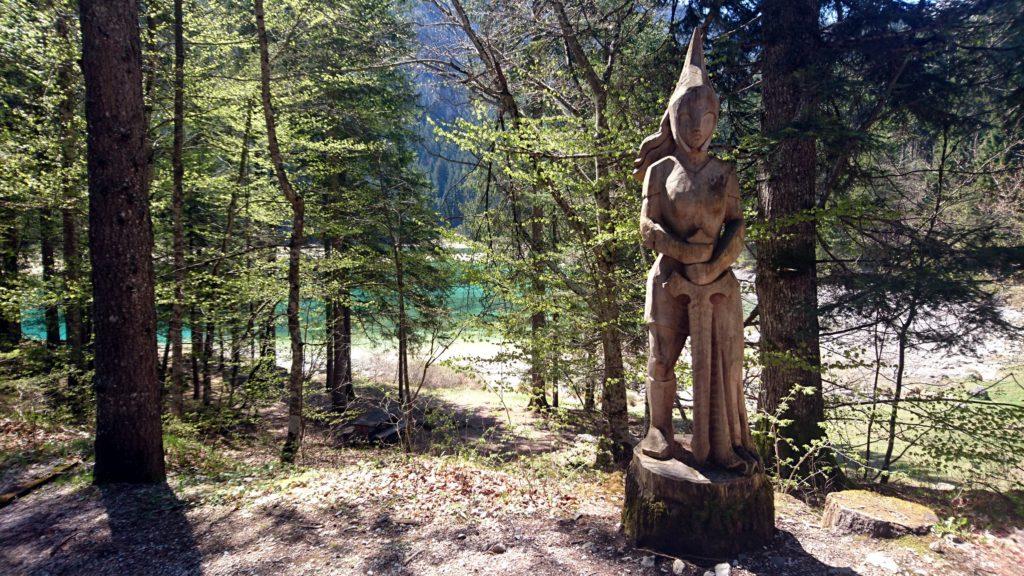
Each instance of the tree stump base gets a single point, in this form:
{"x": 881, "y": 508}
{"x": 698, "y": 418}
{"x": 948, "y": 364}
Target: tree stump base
{"x": 878, "y": 516}
{"x": 695, "y": 511}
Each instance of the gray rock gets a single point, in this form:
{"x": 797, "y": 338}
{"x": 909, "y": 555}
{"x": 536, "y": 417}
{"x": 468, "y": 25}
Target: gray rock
{"x": 647, "y": 561}
{"x": 980, "y": 392}
{"x": 497, "y": 548}
{"x": 723, "y": 569}
{"x": 678, "y": 567}
{"x": 938, "y": 546}
{"x": 883, "y": 561}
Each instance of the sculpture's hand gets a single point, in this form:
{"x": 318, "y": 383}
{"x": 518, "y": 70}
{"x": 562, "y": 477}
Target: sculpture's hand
{"x": 686, "y": 252}
{"x": 700, "y": 273}
{"x": 702, "y": 252}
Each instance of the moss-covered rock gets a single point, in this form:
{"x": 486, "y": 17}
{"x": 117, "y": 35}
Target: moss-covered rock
{"x": 864, "y": 512}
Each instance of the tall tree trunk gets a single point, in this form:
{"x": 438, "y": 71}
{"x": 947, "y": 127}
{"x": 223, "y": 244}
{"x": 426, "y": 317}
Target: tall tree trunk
{"x": 872, "y": 416}
{"x": 786, "y": 274}
{"x": 221, "y": 360}
{"x": 589, "y": 384}
{"x": 403, "y": 337}
{"x": 294, "y": 440}
{"x": 329, "y": 322}
{"x": 237, "y": 338}
{"x": 330, "y": 381}
{"x": 613, "y": 393}
{"x": 129, "y": 444}
{"x": 10, "y": 321}
{"x": 613, "y": 396}
{"x": 51, "y": 314}
{"x": 339, "y": 327}
{"x": 197, "y": 347}
{"x": 343, "y": 360}
{"x": 556, "y": 344}
{"x": 207, "y": 377}
{"x": 538, "y": 393}
{"x": 164, "y": 359}
{"x": 268, "y": 336}
{"x": 555, "y": 362}
{"x": 66, "y": 78}
{"x": 177, "y": 217}
{"x": 897, "y": 393}
{"x": 404, "y": 390}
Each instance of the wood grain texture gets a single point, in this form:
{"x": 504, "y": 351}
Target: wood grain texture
{"x": 697, "y": 511}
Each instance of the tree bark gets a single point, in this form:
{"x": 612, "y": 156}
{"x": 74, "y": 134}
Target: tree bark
{"x": 613, "y": 394}
{"x": 340, "y": 352}
{"x": 295, "y": 424}
{"x": 51, "y": 315}
{"x": 73, "y": 326}
{"x": 344, "y": 361}
{"x": 403, "y": 367}
{"x": 237, "y": 338}
{"x": 177, "y": 216}
{"x": 207, "y": 377}
{"x": 129, "y": 444}
{"x": 164, "y": 358}
{"x": 10, "y": 324}
{"x": 538, "y": 321}
{"x": 329, "y": 381}
{"x": 786, "y": 274}
{"x": 268, "y": 336}
{"x": 197, "y": 347}
{"x": 897, "y": 393}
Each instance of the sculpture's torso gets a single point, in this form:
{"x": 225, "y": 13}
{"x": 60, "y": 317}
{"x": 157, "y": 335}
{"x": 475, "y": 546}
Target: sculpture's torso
{"x": 693, "y": 206}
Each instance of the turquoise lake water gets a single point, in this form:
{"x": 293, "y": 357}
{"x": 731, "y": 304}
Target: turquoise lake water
{"x": 465, "y": 300}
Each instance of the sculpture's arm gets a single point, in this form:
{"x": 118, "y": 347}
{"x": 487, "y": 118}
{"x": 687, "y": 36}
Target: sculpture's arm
{"x": 655, "y": 236}
{"x": 729, "y": 245}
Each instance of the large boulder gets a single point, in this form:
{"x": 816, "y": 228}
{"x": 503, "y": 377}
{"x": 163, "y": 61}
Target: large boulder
{"x": 864, "y": 512}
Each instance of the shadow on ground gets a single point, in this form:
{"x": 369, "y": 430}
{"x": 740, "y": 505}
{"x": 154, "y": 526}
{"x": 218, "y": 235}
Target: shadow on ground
{"x": 443, "y": 424}
{"x": 787, "y": 556}
{"x": 998, "y": 511}
{"x": 116, "y": 529}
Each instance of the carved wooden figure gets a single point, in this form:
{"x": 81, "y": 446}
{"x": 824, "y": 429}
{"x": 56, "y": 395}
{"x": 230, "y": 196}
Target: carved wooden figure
{"x": 692, "y": 217}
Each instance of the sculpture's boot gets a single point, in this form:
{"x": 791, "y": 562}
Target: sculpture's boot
{"x": 660, "y": 438}
{"x": 752, "y": 458}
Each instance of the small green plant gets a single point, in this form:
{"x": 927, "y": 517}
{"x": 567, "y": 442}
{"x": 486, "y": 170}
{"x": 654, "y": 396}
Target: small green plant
{"x": 953, "y": 526}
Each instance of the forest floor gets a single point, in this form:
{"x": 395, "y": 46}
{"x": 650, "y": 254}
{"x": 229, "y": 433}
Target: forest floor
{"x": 495, "y": 490}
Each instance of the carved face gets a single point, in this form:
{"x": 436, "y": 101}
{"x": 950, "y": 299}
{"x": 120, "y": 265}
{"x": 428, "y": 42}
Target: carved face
{"x": 693, "y": 117}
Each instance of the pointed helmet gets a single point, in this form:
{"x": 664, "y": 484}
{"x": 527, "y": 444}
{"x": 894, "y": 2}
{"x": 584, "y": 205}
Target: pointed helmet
{"x": 694, "y": 76}
{"x": 694, "y": 71}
